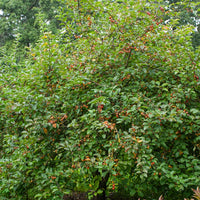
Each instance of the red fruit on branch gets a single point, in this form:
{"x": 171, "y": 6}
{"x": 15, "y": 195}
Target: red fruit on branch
{"x": 151, "y": 27}
{"x": 152, "y": 163}
{"x": 113, "y": 187}
{"x": 196, "y": 77}
{"x": 100, "y": 107}
{"x": 162, "y": 9}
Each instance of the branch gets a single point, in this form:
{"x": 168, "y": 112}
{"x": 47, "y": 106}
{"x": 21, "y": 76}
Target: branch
{"x": 36, "y": 1}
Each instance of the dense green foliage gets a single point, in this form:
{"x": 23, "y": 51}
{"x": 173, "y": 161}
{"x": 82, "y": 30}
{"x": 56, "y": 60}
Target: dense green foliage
{"x": 111, "y": 103}
{"x": 20, "y": 17}
{"x": 187, "y": 12}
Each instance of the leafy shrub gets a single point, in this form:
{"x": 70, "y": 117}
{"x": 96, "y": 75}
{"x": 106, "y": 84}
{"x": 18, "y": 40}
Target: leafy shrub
{"x": 109, "y": 105}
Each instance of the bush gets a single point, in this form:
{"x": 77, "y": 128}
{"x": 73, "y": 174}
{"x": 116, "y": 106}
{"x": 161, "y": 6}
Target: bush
{"x": 109, "y": 105}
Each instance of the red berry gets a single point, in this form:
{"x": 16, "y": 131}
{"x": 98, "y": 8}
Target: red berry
{"x": 162, "y": 9}
{"x": 113, "y": 186}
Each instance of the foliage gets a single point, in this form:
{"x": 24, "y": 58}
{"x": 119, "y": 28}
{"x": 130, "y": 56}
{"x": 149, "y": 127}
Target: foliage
{"x": 110, "y": 104}
{"x": 187, "y": 12}
{"x": 20, "y": 17}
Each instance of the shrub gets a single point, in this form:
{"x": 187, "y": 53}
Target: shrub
{"x": 109, "y": 105}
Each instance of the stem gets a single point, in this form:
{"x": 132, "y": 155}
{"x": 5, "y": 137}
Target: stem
{"x": 103, "y": 187}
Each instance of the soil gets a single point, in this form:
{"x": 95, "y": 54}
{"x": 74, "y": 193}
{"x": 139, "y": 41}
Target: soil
{"x": 83, "y": 196}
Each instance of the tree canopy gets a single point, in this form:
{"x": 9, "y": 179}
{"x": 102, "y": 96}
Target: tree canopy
{"x": 19, "y": 17}
{"x": 187, "y": 12}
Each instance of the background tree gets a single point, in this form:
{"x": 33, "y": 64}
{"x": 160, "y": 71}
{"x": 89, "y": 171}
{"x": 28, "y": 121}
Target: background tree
{"x": 19, "y": 17}
{"x": 187, "y": 12}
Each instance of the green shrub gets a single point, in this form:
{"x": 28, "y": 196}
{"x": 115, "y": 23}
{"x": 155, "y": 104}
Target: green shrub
{"x": 109, "y": 105}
